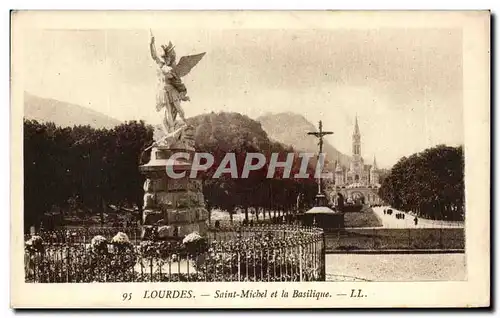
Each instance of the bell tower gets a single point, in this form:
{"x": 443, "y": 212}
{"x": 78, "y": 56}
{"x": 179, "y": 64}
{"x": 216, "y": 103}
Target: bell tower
{"x": 356, "y": 141}
{"x": 357, "y": 172}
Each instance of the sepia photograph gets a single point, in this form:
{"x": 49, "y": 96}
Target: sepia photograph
{"x": 336, "y": 148}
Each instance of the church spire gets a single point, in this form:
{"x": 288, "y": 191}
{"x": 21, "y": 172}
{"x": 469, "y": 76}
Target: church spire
{"x": 375, "y": 163}
{"x": 356, "y": 139}
{"x": 356, "y": 127}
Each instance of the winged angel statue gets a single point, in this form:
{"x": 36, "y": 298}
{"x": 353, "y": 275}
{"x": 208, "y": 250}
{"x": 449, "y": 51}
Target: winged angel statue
{"x": 171, "y": 91}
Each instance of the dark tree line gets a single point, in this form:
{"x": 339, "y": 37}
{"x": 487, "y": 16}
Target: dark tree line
{"x": 81, "y": 168}
{"x": 87, "y": 169}
{"x": 429, "y": 183}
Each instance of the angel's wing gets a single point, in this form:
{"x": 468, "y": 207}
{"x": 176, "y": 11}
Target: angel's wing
{"x": 186, "y": 63}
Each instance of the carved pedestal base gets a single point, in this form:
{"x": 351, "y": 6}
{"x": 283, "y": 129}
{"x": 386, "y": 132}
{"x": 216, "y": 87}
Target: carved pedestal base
{"x": 173, "y": 207}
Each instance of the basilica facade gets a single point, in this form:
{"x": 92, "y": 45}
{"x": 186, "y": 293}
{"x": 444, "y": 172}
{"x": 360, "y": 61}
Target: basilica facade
{"x": 359, "y": 179}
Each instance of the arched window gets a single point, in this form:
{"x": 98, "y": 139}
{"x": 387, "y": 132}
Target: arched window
{"x": 356, "y": 178}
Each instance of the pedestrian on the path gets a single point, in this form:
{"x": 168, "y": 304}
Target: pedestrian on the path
{"x": 415, "y": 220}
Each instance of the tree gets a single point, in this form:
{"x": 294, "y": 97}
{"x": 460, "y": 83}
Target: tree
{"x": 129, "y": 141}
{"x": 81, "y": 167}
{"x": 224, "y": 133}
{"x": 430, "y": 183}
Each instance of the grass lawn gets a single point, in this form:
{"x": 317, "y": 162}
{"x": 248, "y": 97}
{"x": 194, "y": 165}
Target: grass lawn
{"x": 365, "y": 218}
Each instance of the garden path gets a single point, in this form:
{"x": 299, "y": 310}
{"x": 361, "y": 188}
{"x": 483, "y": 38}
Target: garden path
{"x": 390, "y": 221}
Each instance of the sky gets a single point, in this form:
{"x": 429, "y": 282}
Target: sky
{"x": 405, "y": 85}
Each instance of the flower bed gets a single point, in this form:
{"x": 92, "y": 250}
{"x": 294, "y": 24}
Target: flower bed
{"x": 84, "y": 235}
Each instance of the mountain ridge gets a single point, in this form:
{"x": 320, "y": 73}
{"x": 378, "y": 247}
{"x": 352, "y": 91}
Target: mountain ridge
{"x": 278, "y": 127}
{"x": 64, "y": 114}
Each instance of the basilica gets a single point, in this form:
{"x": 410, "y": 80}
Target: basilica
{"x": 359, "y": 179}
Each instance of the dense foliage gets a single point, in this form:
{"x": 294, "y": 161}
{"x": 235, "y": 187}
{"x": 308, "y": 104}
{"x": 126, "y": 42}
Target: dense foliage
{"x": 221, "y": 133}
{"x": 429, "y": 183}
{"x": 81, "y": 168}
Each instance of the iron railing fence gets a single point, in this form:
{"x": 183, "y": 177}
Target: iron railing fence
{"x": 258, "y": 253}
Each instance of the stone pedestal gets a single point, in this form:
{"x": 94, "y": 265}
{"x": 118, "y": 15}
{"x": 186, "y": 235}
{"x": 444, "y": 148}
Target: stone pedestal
{"x": 175, "y": 207}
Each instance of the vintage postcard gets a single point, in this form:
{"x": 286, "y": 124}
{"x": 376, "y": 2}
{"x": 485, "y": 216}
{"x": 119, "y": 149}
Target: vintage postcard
{"x": 315, "y": 159}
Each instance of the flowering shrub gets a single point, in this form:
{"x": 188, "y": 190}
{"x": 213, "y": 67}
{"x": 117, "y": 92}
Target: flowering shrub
{"x": 195, "y": 244}
{"x": 120, "y": 239}
{"x": 96, "y": 262}
{"x": 84, "y": 235}
{"x": 34, "y": 256}
{"x": 190, "y": 238}
{"x": 99, "y": 244}
{"x": 34, "y": 244}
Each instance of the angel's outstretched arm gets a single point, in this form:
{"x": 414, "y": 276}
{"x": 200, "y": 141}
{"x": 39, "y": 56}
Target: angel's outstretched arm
{"x": 152, "y": 47}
